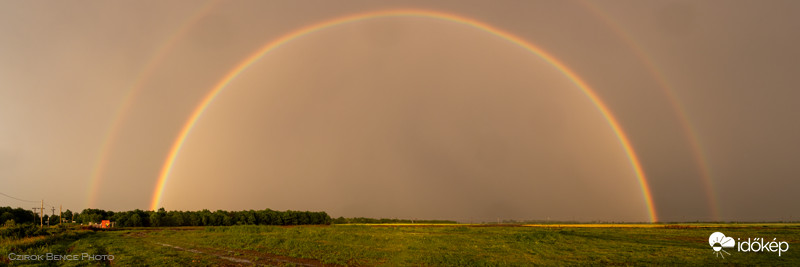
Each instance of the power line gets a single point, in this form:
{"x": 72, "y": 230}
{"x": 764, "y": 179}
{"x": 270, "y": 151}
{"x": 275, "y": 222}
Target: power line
{"x": 1, "y": 193}
{"x": 31, "y": 201}
{"x": 41, "y": 208}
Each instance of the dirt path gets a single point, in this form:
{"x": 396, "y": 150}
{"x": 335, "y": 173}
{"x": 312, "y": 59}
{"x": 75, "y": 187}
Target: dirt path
{"x": 263, "y": 258}
{"x": 243, "y": 257}
{"x": 236, "y": 260}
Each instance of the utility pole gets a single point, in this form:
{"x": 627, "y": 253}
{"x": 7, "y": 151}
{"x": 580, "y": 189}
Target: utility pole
{"x": 35, "y": 210}
{"x": 52, "y": 213}
{"x": 41, "y": 215}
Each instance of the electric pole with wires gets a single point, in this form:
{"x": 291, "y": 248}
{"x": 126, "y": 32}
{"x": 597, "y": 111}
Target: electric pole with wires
{"x": 35, "y": 210}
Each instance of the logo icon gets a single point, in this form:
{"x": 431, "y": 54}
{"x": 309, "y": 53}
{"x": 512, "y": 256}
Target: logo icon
{"x": 718, "y": 240}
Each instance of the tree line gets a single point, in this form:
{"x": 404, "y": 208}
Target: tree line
{"x": 163, "y": 218}
{"x": 141, "y": 218}
{"x": 160, "y": 218}
{"x": 11, "y": 216}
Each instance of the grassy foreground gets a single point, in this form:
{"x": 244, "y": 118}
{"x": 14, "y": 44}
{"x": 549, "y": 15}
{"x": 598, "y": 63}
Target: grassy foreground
{"x": 400, "y": 245}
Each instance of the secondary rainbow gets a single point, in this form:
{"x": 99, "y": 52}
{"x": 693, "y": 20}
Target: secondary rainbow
{"x": 691, "y": 134}
{"x": 247, "y": 62}
{"x": 127, "y": 101}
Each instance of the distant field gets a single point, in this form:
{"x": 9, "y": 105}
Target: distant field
{"x": 406, "y": 244}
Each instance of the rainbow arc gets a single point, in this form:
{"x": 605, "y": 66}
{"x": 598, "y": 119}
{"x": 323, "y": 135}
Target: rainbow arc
{"x": 294, "y": 35}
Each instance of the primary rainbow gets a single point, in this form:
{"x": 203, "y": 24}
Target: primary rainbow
{"x": 243, "y": 65}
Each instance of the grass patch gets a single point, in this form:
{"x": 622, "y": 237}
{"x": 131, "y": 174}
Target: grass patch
{"x": 447, "y": 245}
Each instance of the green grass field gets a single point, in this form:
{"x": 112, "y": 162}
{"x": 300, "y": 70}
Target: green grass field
{"x": 401, "y": 245}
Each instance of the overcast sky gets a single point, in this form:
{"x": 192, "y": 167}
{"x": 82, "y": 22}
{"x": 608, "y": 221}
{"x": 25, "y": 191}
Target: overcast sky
{"x": 405, "y": 117}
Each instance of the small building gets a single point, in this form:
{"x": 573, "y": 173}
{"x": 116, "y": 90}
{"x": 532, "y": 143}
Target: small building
{"x": 105, "y": 224}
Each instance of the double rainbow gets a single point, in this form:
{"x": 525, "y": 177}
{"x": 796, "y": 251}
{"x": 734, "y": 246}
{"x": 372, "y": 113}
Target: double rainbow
{"x": 691, "y": 134}
{"x": 127, "y": 101}
{"x": 271, "y": 46}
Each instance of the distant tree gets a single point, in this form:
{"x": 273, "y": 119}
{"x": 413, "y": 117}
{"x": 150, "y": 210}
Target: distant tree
{"x": 96, "y": 218}
{"x": 122, "y": 219}
{"x": 205, "y": 217}
{"x": 227, "y": 220}
{"x": 19, "y": 215}
{"x": 221, "y": 218}
{"x": 238, "y": 218}
{"x": 166, "y": 220}
{"x": 303, "y": 218}
{"x": 194, "y": 219}
{"x": 6, "y": 216}
{"x": 155, "y": 219}
{"x": 289, "y": 217}
{"x": 215, "y": 219}
{"x": 340, "y": 220}
{"x": 10, "y": 223}
{"x": 68, "y": 216}
{"x": 176, "y": 218}
{"x": 251, "y": 217}
{"x": 144, "y": 217}
{"x": 275, "y": 217}
{"x": 247, "y": 218}
{"x": 23, "y": 216}
{"x": 135, "y": 220}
